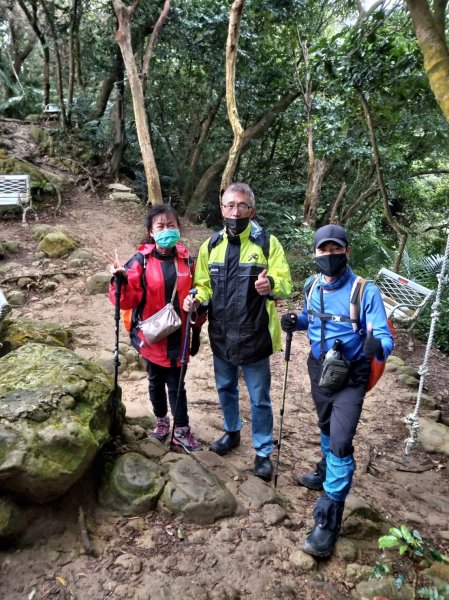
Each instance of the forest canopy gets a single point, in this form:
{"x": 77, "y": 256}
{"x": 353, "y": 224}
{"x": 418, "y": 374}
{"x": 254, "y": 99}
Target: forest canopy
{"x": 340, "y": 118}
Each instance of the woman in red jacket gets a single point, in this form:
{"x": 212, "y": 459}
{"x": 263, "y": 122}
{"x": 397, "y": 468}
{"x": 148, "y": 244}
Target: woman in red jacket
{"x": 149, "y": 278}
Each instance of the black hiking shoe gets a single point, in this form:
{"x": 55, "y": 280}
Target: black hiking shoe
{"x": 320, "y": 542}
{"x": 314, "y": 481}
{"x": 328, "y": 514}
{"x": 263, "y": 467}
{"x": 230, "y": 440}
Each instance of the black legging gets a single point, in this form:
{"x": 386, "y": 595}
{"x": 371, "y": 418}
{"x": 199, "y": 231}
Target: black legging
{"x": 339, "y": 411}
{"x": 160, "y": 377}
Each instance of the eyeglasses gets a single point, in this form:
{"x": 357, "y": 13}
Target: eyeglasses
{"x": 241, "y": 206}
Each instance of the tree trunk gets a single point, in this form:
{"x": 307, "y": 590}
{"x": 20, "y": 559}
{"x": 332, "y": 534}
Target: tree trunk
{"x": 20, "y": 55}
{"x": 315, "y": 175}
{"x": 317, "y": 168}
{"x": 106, "y": 87}
{"x": 429, "y": 29}
{"x": 334, "y": 211}
{"x": 120, "y": 141}
{"x": 196, "y": 203}
{"x": 59, "y": 78}
{"x": 358, "y": 202}
{"x": 231, "y": 59}
{"x": 198, "y": 150}
{"x": 402, "y": 234}
{"x": 73, "y": 34}
{"x": 32, "y": 20}
{"x": 123, "y": 37}
{"x": 153, "y": 38}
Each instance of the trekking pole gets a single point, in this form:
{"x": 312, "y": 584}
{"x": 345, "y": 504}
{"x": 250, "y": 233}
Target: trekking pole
{"x": 288, "y": 347}
{"x": 182, "y": 373}
{"x": 117, "y": 397}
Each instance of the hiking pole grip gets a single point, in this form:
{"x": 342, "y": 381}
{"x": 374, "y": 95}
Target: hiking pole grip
{"x": 288, "y": 345}
{"x": 193, "y": 292}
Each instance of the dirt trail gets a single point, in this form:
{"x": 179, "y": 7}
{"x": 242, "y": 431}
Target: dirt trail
{"x": 243, "y": 557}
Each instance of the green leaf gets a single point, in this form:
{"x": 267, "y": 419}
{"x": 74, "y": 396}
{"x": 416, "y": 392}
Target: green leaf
{"x": 396, "y": 532}
{"x": 388, "y": 541}
{"x": 403, "y": 549}
{"x": 407, "y": 535}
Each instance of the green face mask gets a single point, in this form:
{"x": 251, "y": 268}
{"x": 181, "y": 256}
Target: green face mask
{"x": 167, "y": 238}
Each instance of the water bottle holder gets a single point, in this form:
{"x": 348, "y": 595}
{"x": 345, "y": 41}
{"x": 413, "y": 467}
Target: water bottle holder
{"x": 334, "y": 373}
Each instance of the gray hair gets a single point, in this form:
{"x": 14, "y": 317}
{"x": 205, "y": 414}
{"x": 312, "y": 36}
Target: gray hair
{"x": 242, "y": 188}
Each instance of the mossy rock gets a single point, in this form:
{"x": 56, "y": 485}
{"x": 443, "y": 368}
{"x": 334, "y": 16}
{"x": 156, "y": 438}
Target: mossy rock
{"x": 55, "y": 416}
{"x": 133, "y": 485}
{"x": 56, "y": 244}
{"x": 15, "y": 333}
{"x": 11, "y": 521}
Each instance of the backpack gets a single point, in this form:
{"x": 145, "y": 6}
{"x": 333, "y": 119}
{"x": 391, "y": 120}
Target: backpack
{"x": 355, "y": 302}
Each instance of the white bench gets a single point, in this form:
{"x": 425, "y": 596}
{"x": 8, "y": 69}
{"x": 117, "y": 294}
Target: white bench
{"x": 404, "y": 299}
{"x": 15, "y": 191}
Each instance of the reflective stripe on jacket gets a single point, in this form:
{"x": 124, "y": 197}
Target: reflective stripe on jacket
{"x": 243, "y": 325}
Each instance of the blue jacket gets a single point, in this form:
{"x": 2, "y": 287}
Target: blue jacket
{"x": 337, "y": 303}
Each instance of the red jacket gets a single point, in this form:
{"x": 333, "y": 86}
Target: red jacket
{"x": 159, "y": 277}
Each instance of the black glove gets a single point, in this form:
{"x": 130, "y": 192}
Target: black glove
{"x": 373, "y": 347}
{"x": 195, "y": 341}
{"x": 288, "y": 322}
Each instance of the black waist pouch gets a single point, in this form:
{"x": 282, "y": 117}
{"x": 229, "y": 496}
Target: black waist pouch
{"x": 334, "y": 373}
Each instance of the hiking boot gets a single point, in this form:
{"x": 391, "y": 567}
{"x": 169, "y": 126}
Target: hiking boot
{"x": 185, "y": 438}
{"x": 162, "y": 429}
{"x": 263, "y": 467}
{"x": 328, "y": 514}
{"x": 228, "y": 441}
{"x": 314, "y": 481}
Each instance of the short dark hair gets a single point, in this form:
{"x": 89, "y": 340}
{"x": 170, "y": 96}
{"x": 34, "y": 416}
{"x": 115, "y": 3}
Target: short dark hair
{"x": 156, "y": 211}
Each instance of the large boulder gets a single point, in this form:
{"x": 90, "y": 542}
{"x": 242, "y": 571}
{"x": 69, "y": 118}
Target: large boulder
{"x": 195, "y": 494}
{"x": 55, "y": 415}
{"x": 15, "y": 333}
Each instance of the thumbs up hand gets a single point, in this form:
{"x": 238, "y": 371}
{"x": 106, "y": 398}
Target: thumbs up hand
{"x": 372, "y": 346}
{"x": 263, "y": 285}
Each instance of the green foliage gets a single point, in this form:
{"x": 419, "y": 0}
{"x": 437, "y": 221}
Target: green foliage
{"x": 411, "y": 545}
{"x": 403, "y": 539}
{"x": 441, "y": 332}
{"x": 440, "y": 593}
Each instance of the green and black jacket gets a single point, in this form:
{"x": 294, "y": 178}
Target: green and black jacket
{"x": 243, "y": 325}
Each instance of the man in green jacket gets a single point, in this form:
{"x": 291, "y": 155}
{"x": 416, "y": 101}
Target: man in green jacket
{"x": 240, "y": 272}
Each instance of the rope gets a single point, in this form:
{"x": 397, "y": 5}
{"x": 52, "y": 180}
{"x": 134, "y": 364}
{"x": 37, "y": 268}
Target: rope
{"x": 412, "y": 419}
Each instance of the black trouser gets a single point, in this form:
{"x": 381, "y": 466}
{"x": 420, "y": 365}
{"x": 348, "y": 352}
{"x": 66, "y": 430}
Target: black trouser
{"x": 339, "y": 411}
{"x": 158, "y": 378}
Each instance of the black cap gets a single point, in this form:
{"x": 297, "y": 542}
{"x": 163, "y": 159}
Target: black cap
{"x": 331, "y": 233}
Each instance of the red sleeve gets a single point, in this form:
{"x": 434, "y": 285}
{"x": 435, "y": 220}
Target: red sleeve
{"x": 132, "y": 291}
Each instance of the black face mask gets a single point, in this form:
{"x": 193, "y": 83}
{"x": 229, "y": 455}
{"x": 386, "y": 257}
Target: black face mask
{"x": 236, "y": 226}
{"x": 331, "y": 264}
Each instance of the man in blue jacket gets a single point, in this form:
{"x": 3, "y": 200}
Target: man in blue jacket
{"x": 338, "y": 395}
